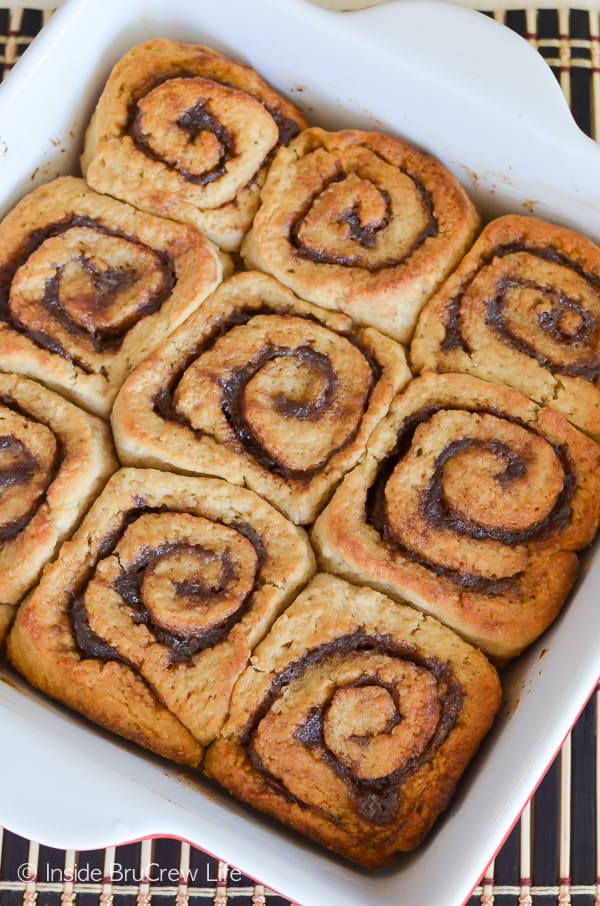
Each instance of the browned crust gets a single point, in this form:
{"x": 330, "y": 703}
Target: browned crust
{"x": 388, "y": 299}
{"x": 85, "y": 460}
{"x": 143, "y": 437}
{"x": 111, "y": 162}
{"x": 197, "y": 266}
{"x": 575, "y": 397}
{"x": 328, "y": 609}
{"x": 504, "y": 623}
{"x": 42, "y": 646}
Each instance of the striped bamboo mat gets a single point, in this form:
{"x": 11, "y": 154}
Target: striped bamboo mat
{"x": 569, "y": 41}
{"x": 553, "y": 853}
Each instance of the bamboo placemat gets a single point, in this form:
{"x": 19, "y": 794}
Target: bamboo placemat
{"x": 553, "y": 854}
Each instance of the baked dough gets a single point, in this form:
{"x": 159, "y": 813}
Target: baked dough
{"x": 54, "y": 460}
{"x": 91, "y": 286}
{"x": 523, "y": 309}
{"x": 262, "y": 389}
{"x": 150, "y": 613}
{"x": 183, "y": 131}
{"x": 355, "y": 721}
{"x": 362, "y": 223}
{"x": 470, "y": 504}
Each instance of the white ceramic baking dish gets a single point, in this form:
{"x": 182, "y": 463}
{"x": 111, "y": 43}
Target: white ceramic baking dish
{"x": 475, "y": 95}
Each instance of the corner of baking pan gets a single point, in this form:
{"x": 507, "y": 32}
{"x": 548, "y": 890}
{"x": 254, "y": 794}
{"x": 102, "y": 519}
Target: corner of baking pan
{"x": 460, "y": 46}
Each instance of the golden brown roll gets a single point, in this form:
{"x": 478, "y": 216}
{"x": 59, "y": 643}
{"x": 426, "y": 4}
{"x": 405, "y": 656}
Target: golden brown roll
{"x": 470, "y": 504}
{"x": 183, "y": 131}
{"x": 89, "y": 287}
{"x": 54, "y": 459}
{"x": 523, "y": 308}
{"x": 149, "y": 614}
{"x": 261, "y": 389}
{"x": 362, "y": 223}
{"x": 355, "y": 721}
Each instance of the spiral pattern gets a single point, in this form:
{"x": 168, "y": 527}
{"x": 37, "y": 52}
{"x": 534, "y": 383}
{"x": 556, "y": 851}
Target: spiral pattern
{"x": 554, "y": 318}
{"x": 523, "y": 308}
{"x": 347, "y": 721}
{"x": 81, "y": 287}
{"x": 469, "y": 492}
{"x": 205, "y": 131}
{"x": 349, "y": 222}
{"x": 264, "y": 389}
{"x": 185, "y": 132}
{"x": 471, "y": 506}
{"x": 29, "y": 455}
{"x": 53, "y": 459}
{"x": 85, "y": 284}
{"x": 186, "y": 579}
{"x": 360, "y": 222}
{"x": 151, "y": 611}
{"x": 377, "y": 717}
{"x": 289, "y": 392}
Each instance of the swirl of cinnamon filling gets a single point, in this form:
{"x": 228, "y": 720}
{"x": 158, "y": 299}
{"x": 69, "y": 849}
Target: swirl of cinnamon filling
{"x": 523, "y": 308}
{"x": 184, "y": 578}
{"x": 464, "y": 491}
{"x": 54, "y": 458}
{"x": 89, "y": 286}
{"x": 286, "y": 390}
{"x": 360, "y": 222}
{"x": 374, "y": 717}
{"x": 78, "y": 288}
{"x": 538, "y": 304}
{"x": 339, "y": 727}
{"x": 471, "y": 503}
{"x": 185, "y": 132}
{"x": 262, "y": 389}
{"x": 150, "y": 612}
{"x": 204, "y": 131}
{"x": 29, "y": 458}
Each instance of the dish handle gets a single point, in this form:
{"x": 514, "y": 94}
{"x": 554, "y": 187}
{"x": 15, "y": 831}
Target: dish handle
{"x": 467, "y": 49}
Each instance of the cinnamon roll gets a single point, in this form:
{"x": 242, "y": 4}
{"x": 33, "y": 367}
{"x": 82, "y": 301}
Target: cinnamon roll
{"x": 150, "y": 613}
{"x": 523, "y": 308}
{"x": 361, "y": 222}
{"x": 89, "y": 286}
{"x": 54, "y": 459}
{"x": 183, "y": 131}
{"x": 355, "y": 721}
{"x": 262, "y": 389}
{"x": 471, "y": 504}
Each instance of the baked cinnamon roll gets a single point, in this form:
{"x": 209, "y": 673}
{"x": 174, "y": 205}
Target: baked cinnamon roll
{"x": 471, "y": 504}
{"x": 363, "y": 223}
{"x": 262, "y": 389}
{"x": 54, "y": 459}
{"x": 89, "y": 287}
{"x": 150, "y": 613}
{"x": 523, "y": 308}
{"x": 183, "y": 131}
{"x": 355, "y": 721}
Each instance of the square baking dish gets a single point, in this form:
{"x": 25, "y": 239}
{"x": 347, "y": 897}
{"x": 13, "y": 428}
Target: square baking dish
{"x": 476, "y": 96}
